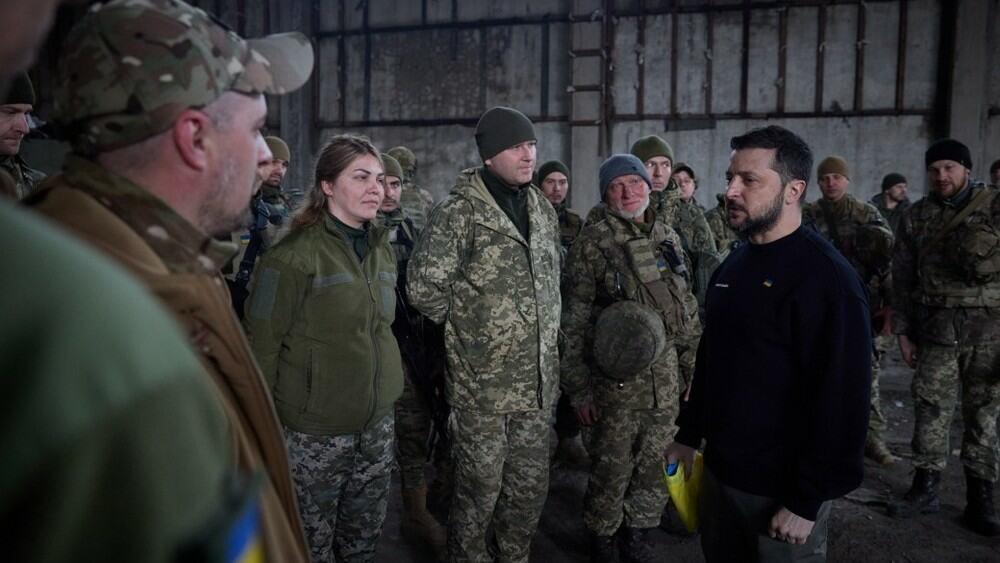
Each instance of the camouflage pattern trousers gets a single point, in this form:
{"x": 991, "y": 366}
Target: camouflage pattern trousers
{"x": 342, "y": 484}
{"x": 941, "y": 371}
{"x": 876, "y": 419}
{"x": 626, "y": 478}
{"x": 413, "y": 431}
{"x": 501, "y": 464}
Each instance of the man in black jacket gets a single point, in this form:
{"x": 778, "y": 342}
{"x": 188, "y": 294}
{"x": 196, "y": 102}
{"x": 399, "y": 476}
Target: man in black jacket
{"x": 781, "y": 388}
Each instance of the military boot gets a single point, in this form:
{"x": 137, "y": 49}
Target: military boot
{"x": 637, "y": 546}
{"x": 603, "y": 549}
{"x": 417, "y": 523}
{"x": 922, "y": 498}
{"x": 980, "y": 515}
{"x": 876, "y": 450}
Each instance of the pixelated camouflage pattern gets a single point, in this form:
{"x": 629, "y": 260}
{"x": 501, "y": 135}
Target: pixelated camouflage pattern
{"x": 501, "y": 464}
{"x": 129, "y": 67}
{"x": 956, "y": 324}
{"x": 696, "y": 236}
{"x": 718, "y": 221}
{"x": 413, "y": 430}
{"x": 417, "y": 202}
{"x": 626, "y": 476}
{"x": 497, "y": 295}
{"x": 25, "y": 178}
{"x": 942, "y": 373}
{"x": 932, "y": 299}
{"x": 862, "y": 236}
{"x": 342, "y": 483}
{"x": 570, "y": 225}
{"x": 600, "y": 273}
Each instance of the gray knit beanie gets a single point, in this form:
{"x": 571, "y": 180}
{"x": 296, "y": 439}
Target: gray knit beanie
{"x": 621, "y": 165}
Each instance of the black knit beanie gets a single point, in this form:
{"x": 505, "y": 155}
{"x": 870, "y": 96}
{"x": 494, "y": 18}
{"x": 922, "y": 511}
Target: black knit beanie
{"x": 550, "y": 167}
{"x": 892, "y": 179}
{"x": 948, "y": 149}
{"x": 21, "y": 91}
{"x": 501, "y": 128}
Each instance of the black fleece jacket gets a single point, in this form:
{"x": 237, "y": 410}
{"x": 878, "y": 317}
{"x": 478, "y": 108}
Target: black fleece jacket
{"x": 782, "y": 383}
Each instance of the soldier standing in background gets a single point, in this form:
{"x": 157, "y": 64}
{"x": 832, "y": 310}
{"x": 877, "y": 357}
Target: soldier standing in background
{"x": 862, "y": 236}
{"x": 892, "y": 201}
{"x": 18, "y": 103}
{"x": 422, "y": 352}
{"x": 687, "y": 220}
{"x": 995, "y": 174}
{"x": 161, "y": 167}
{"x": 553, "y": 180}
{"x": 417, "y": 201}
{"x": 627, "y": 272}
{"x": 946, "y": 276}
{"x": 687, "y": 183}
{"x": 487, "y": 266}
{"x": 718, "y": 220}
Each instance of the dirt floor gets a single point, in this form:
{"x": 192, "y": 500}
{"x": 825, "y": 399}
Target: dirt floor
{"x": 859, "y": 530}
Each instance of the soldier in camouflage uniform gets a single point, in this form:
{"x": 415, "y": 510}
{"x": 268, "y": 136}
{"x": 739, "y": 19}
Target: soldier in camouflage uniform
{"x": 553, "y": 180}
{"x": 417, "y": 201}
{"x": 995, "y": 174}
{"x": 685, "y": 217}
{"x": 946, "y": 276}
{"x": 414, "y": 410}
{"x": 19, "y": 102}
{"x": 163, "y": 107}
{"x": 487, "y": 266}
{"x": 892, "y": 202}
{"x": 687, "y": 183}
{"x": 860, "y": 233}
{"x": 718, "y": 220}
{"x": 629, "y": 255}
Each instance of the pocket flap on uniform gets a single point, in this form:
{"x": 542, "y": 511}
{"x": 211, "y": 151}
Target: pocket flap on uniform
{"x": 332, "y": 279}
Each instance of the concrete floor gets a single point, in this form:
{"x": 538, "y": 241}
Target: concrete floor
{"x": 859, "y": 529}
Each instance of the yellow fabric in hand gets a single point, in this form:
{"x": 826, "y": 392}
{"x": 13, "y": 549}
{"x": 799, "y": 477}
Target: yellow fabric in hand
{"x": 685, "y": 492}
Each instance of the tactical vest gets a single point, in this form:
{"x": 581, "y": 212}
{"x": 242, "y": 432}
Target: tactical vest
{"x": 942, "y": 281}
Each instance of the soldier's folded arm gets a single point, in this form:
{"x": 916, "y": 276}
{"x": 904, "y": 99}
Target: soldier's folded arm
{"x": 274, "y": 300}
{"x": 438, "y": 257}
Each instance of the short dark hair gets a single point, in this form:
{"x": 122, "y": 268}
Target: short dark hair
{"x": 793, "y": 159}
{"x": 995, "y": 166}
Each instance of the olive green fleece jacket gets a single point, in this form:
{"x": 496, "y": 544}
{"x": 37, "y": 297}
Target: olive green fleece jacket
{"x": 319, "y": 321}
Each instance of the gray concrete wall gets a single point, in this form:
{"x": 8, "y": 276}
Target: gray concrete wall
{"x": 423, "y": 72}
{"x": 419, "y": 73}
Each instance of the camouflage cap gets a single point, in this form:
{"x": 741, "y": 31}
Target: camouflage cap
{"x": 129, "y": 67}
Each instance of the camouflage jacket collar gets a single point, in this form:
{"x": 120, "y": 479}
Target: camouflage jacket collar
{"x": 628, "y": 229}
{"x": 470, "y": 185}
{"x": 182, "y": 246}
{"x": 958, "y": 200}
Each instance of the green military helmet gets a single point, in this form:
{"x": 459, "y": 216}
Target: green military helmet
{"x": 628, "y": 338}
{"x": 407, "y": 160}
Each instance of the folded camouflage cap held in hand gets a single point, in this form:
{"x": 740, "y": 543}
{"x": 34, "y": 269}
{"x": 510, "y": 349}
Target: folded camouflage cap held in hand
{"x": 130, "y": 67}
